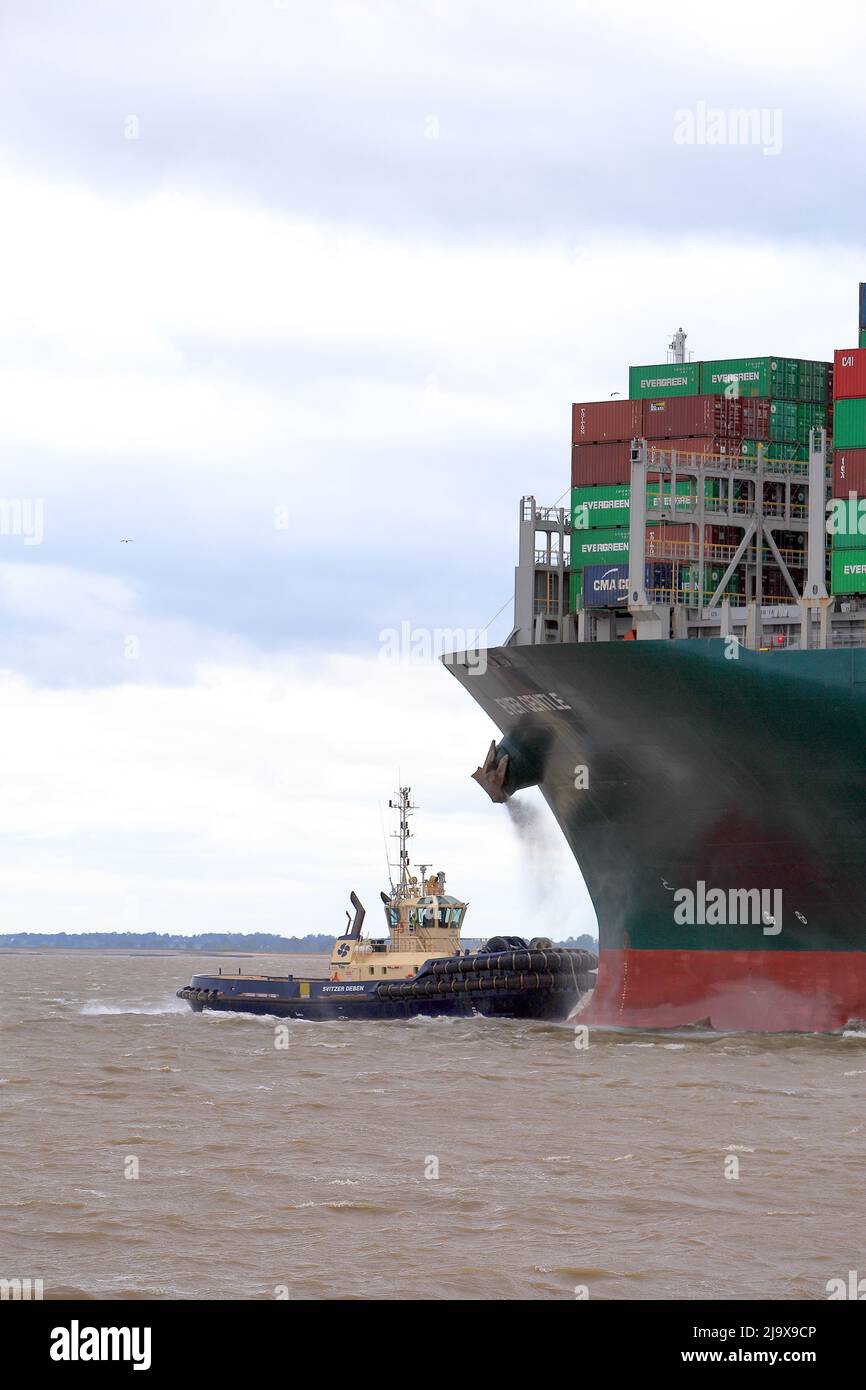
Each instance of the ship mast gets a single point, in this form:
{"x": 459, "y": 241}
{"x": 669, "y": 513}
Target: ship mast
{"x": 677, "y": 346}
{"x": 403, "y": 888}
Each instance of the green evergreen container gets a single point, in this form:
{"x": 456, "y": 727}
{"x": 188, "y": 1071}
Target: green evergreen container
{"x": 846, "y": 524}
{"x": 664, "y": 379}
{"x": 604, "y": 505}
{"x": 813, "y": 381}
{"x": 608, "y": 504}
{"x": 774, "y": 449}
{"x": 778, "y": 377}
{"x": 848, "y": 570}
{"x": 809, "y": 416}
{"x": 783, "y": 422}
{"x": 599, "y": 547}
{"x": 712, "y": 575}
{"x": 849, "y": 424}
{"x": 658, "y": 502}
{"x": 575, "y": 590}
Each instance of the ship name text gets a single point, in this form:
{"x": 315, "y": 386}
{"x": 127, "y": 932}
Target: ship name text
{"x": 531, "y": 704}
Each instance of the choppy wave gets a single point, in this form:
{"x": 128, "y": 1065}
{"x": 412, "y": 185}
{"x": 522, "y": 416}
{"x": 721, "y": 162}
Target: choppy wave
{"x": 94, "y": 1008}
{"x": 492, "y": 1159}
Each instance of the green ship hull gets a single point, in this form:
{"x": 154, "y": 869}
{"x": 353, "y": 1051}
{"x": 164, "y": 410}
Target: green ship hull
{"x": 716, "y": 806}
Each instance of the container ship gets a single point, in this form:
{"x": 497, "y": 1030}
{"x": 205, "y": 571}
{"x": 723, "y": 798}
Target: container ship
{"x": 686, "y": 684}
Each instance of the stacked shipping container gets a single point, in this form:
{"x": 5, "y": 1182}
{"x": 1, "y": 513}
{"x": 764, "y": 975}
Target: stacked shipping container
{"x": 668, "y": 379}
{"x": 780, "y": 400}
{"x": 601, "y": 435}
{"x": 848, "y": 545}
{"x": 777, "y": 377}
{"x": 688, "y": 407}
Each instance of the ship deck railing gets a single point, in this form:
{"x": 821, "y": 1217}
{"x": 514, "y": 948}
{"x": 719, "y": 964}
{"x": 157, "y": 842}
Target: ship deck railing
{"x": 688, "y": 552}
{"x": 738, "y": 506}
{"x": 688, "y": 460}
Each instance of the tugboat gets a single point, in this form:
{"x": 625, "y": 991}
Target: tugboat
{"x": 419, "y": 968}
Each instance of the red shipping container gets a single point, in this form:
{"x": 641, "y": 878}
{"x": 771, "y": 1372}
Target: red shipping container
{"x": 597, "y": 422}
{"x": 683, "y": 416}
{"x": 600, "y": 463}
{"x": 592, "y": 464}
{"x": 849, "y": 375}
{"x": 849, "y": 472}
{"x": 755, "y": 421}
{"x": 703, "y": 445}
{"x": 675, "y": 541}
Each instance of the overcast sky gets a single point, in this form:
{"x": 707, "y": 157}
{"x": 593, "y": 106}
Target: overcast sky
{"x": 295, "y": 299}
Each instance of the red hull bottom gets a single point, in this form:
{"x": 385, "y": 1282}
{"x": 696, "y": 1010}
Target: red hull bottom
{"x": 737, "y": 991}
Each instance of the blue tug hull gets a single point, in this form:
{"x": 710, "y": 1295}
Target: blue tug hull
{"x": 517, "y": 984}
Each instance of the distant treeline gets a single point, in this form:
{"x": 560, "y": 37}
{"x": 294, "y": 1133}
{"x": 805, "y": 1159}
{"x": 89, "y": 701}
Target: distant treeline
{"x": 162, "y": 941}
{"x": 210, "y": 941}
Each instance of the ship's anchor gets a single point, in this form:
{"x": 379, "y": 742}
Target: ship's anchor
{"x": 492, "y": 774}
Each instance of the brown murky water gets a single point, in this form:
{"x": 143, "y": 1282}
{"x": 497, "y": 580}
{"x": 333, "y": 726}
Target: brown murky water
{"x": 307, "y": 1167}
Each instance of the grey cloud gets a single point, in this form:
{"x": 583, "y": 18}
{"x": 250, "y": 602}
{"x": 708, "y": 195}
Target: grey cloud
{"x": 558, "y": 124}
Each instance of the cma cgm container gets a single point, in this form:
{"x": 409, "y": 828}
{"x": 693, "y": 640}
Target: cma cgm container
{"x": 602, "y": 422}
{"x": 849, "y": 472}
{"x": 684, "y": 416}
{"x": 849, "y": 423}
{"x": 664, "y": 379}
{"x": 848, "y": 570}
{"x": 778, "y": 377}
{"x": 607, "y": 586}
{"x": 849, "y": 375}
